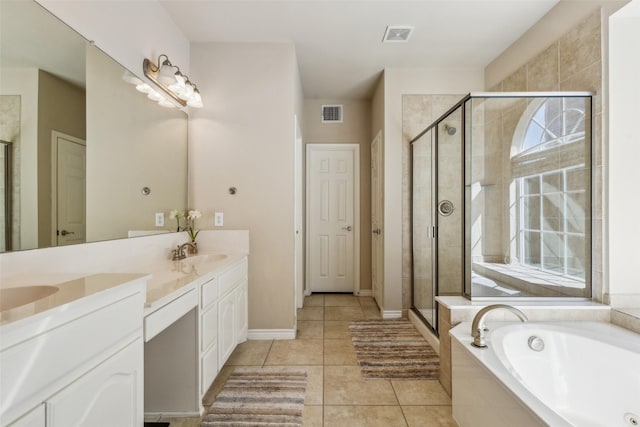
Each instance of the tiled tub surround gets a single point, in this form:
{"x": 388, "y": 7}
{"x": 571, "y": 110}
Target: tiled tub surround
{"x": 455, "y": 310}
{"x": 579, "y": 374}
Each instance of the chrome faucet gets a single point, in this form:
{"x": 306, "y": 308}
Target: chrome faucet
{"x": 479, "y": 329}
{"x": 178, "y": 253}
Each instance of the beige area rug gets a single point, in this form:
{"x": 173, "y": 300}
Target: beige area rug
{"x": 393, "y": 350}
{"x": 270, "y": 396}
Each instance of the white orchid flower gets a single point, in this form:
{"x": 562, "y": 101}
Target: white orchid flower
{"x": 194, "y": 214}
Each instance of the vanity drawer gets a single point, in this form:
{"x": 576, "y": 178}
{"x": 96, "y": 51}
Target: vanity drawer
{"x": 230, "y": 278}
{"x": 209, "y": 292}
{"x": 166, "y": 315}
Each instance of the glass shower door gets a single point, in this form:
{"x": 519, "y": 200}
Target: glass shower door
{"x": 423, "y": 242}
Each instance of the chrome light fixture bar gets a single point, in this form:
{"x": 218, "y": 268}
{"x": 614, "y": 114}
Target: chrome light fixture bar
{"x": 171, "y": 81}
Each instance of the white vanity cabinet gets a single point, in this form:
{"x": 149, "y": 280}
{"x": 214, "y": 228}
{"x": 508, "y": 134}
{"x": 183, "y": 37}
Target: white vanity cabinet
{"x": 223, "y": 319}
{"x": 79, "y": 364}
{"x": 105, "y": 396}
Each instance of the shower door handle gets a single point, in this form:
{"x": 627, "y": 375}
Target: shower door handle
{"x": 445, "y": 208}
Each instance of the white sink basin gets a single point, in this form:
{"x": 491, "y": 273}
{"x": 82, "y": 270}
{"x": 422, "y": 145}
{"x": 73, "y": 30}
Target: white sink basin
{"x": 204, "y": 258}
{"x": 15, "y": 297}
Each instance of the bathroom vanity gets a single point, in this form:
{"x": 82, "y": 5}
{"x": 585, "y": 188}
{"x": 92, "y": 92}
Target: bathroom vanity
{"x": 108, "y": 349}
{"x": 192, "y": 325}
{"x": 76, "y": 355}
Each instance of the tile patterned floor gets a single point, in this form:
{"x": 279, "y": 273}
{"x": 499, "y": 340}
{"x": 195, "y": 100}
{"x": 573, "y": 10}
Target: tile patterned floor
{"x": 336, "y": 393}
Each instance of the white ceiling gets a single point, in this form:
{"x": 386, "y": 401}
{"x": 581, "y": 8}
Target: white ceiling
{"x": 339, "y": 42}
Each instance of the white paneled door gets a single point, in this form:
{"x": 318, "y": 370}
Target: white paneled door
{"x": 332, "y": 217}
{"x": 69, "y": 190}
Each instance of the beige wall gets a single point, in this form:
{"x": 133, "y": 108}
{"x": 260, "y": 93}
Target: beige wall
{"x": 355, "y": 129}
{"x": 61, "y": 107}
{"x": 244, "y": 137}
{"x": 132, "y": 143}
{"x": 566, "y": 50}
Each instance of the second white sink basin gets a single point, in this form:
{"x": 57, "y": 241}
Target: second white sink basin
{"x": 16, "y": 297}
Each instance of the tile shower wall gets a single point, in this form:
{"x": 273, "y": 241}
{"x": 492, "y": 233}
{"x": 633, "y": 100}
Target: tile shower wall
{"x": 571, "y": 63}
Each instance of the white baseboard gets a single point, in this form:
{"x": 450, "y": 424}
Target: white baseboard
{"x": 365, "y": 293}
{"x": 391, "y": 314}
{"x": 271, "y": 334}
{"x": 307, "y": 292}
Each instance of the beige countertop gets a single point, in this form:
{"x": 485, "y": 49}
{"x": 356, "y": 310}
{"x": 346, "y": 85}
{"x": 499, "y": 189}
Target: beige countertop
{"x": 170, "y": 279}
{"x": 166, "y": 280}
{"x": 66, "y": 291}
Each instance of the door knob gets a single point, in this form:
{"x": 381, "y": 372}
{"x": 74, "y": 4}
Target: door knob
{"x": 376, "y": 231}
{"x": 65, "y": 232}
{"x": 348, "y": 228}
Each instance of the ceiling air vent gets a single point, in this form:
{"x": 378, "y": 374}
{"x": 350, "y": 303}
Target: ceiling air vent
{"x": 397, "y": 34}
{"x": 332, "y": 114}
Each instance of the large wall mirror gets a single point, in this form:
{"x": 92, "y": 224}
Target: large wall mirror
{"x": 85, "y": 157}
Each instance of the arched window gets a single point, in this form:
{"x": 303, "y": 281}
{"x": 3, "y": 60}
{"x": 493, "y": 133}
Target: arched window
{"x": 556, "y": 121}
{"x": 551, "y": 186}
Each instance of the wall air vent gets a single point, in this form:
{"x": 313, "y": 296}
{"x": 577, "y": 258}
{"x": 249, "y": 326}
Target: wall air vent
{"x": 397, "y": 34}
{"x": 332, "y": 114}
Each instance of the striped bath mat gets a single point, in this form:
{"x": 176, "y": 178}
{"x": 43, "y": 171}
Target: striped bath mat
{"x": 393, "y": 350}
{"x": 271, "y": 396}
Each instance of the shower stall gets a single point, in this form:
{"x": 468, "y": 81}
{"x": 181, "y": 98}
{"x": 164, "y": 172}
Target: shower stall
{"x": 501, "y": 200}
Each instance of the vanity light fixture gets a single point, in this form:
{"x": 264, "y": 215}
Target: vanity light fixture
{"x": 171, "y": 81}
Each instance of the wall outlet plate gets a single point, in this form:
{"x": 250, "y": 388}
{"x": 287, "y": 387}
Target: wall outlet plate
{"x": 218, "y": 219}
{"x": 160, "y": 219}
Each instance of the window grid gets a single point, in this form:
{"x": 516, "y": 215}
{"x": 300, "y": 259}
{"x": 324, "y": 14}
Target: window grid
{"x": 571, "y": 129}
{"x": 562, "y": 233}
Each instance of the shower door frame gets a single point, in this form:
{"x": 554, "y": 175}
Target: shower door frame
{"x": 461, "y": 104}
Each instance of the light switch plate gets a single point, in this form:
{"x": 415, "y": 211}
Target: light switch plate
{"x": 218, "y": 219}
{"x": 159, "y": 219}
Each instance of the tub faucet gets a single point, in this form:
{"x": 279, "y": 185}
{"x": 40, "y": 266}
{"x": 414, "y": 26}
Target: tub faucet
{"x": 178, "y": 253}
{"x": 479, "y": 329}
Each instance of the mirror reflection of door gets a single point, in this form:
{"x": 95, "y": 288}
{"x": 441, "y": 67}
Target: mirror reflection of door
{"x": 5, "y": 196}
{"x": 69, "y": 189}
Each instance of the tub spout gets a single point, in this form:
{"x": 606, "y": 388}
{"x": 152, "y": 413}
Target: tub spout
{"x": 479, "y": 329}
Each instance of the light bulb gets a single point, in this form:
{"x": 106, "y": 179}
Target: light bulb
{"x": 166, "y": 75}
{"x": 188, "y": 90}
{"x": 154, "y": 96}
{"x": 144, "y": 88}
{"x": 196, "y": 100}
{"x": 178, "y": 86}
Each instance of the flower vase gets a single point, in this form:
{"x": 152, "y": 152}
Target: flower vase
{"x": 193, "y": 248}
